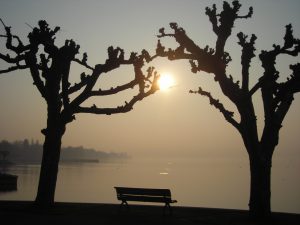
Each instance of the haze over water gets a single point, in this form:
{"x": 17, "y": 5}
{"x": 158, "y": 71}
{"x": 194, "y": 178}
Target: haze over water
{"x": 198, "y": 182}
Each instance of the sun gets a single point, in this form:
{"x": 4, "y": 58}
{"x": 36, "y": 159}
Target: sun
{"x": 166, "y": 81}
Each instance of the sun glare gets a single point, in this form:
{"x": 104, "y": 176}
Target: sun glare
{"x": 166, "y": 81}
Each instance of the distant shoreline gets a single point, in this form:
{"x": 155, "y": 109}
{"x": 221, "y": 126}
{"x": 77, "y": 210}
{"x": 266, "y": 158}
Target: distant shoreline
{"x": 62, "y": 162}
{"x": 25, "y": 152}
{"x": 80, "y": 161}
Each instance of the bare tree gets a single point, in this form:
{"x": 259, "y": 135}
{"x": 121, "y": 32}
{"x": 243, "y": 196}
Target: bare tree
{"x": 50, "y": 72}
{"x": 277, "y": 97}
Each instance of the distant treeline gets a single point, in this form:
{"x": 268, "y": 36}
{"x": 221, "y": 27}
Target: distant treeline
{"x": 31, "y": 152}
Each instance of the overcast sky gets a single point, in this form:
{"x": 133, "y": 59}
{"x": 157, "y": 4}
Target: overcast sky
{"x": 171, "y": 122}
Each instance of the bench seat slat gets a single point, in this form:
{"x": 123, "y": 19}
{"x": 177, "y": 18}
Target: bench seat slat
{"x": 143, "y": 191}
{"x": 144, "y": 198}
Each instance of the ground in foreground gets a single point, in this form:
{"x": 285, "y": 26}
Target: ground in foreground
{"x": 17, "y": 212}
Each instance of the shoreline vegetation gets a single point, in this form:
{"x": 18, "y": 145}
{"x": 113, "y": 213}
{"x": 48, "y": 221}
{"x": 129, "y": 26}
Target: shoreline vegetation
{"x": 25, "y": 152}
{"x": 25, "y": 212}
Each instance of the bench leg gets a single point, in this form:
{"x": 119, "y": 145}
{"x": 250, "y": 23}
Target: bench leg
{"x": 167, "y": 205}
{"x": 121, "y": 205}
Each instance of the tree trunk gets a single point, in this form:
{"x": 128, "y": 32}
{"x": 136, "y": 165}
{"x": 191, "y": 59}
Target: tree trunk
{"x": 51, "y": 154}
{"x": 49, "y": 167}
{"x": 260, "y": 187}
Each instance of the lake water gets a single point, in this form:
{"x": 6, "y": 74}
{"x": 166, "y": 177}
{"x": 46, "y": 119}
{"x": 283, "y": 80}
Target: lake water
{"x": 220, "y": 183}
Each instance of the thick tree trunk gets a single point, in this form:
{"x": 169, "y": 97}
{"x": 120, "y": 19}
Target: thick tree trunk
{"x": 51, "y": 149}
{"x": 49, "y": 167}
{"x": 260, "y": 187}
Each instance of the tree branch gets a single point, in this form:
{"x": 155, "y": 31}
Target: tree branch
{"x": 212, "y": 15}
{"x": 14, "y": 68}
{"x": 83, "y": 64}
{"x": 287, "y": 89}
{"x": 115, "y": 90}
{"x": 8, "y": 59}
{"x": 223, "y": 23}
{"x": 247, "y": 54}
{"x": 67, "y": 52}
{"x": 189, "y": 50}
{"x": 206, "y": 60}
{"x": 17, "y": 49}
{"x": 31, "y": 62}
{"x": 256, "y": 87}
{"x": 272, "y": 91}
{"x": 76, "y": 87}
{"x": 216, "y": 103}
{"x": 120, "y": 109}
{"x": 115, "y": 59}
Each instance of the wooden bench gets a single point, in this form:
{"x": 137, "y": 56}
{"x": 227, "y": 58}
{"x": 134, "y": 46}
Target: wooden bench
{"x": 126, "y": 194}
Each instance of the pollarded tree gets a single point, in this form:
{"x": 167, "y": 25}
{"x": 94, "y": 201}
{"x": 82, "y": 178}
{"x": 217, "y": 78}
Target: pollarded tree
{"x": 277, "y": 97}
{"x": 50, "y": 72}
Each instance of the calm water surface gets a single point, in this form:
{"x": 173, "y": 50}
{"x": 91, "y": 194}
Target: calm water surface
{"x": 202, "y": 182}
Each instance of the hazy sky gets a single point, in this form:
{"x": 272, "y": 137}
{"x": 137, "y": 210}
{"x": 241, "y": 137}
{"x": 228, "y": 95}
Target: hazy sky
{"x": 171, "y": 122}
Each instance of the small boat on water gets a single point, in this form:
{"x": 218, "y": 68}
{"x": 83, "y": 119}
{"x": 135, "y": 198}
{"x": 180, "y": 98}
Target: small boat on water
{"x": 8, "y": 182}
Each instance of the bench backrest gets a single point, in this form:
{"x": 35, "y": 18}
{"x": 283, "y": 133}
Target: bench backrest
{"x": 143, "y": 194}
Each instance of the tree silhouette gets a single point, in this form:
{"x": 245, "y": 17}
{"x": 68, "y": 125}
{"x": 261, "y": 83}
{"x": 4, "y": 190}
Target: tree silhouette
{"x": 277, "y": 97}
{"x": 50, "y": 72}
